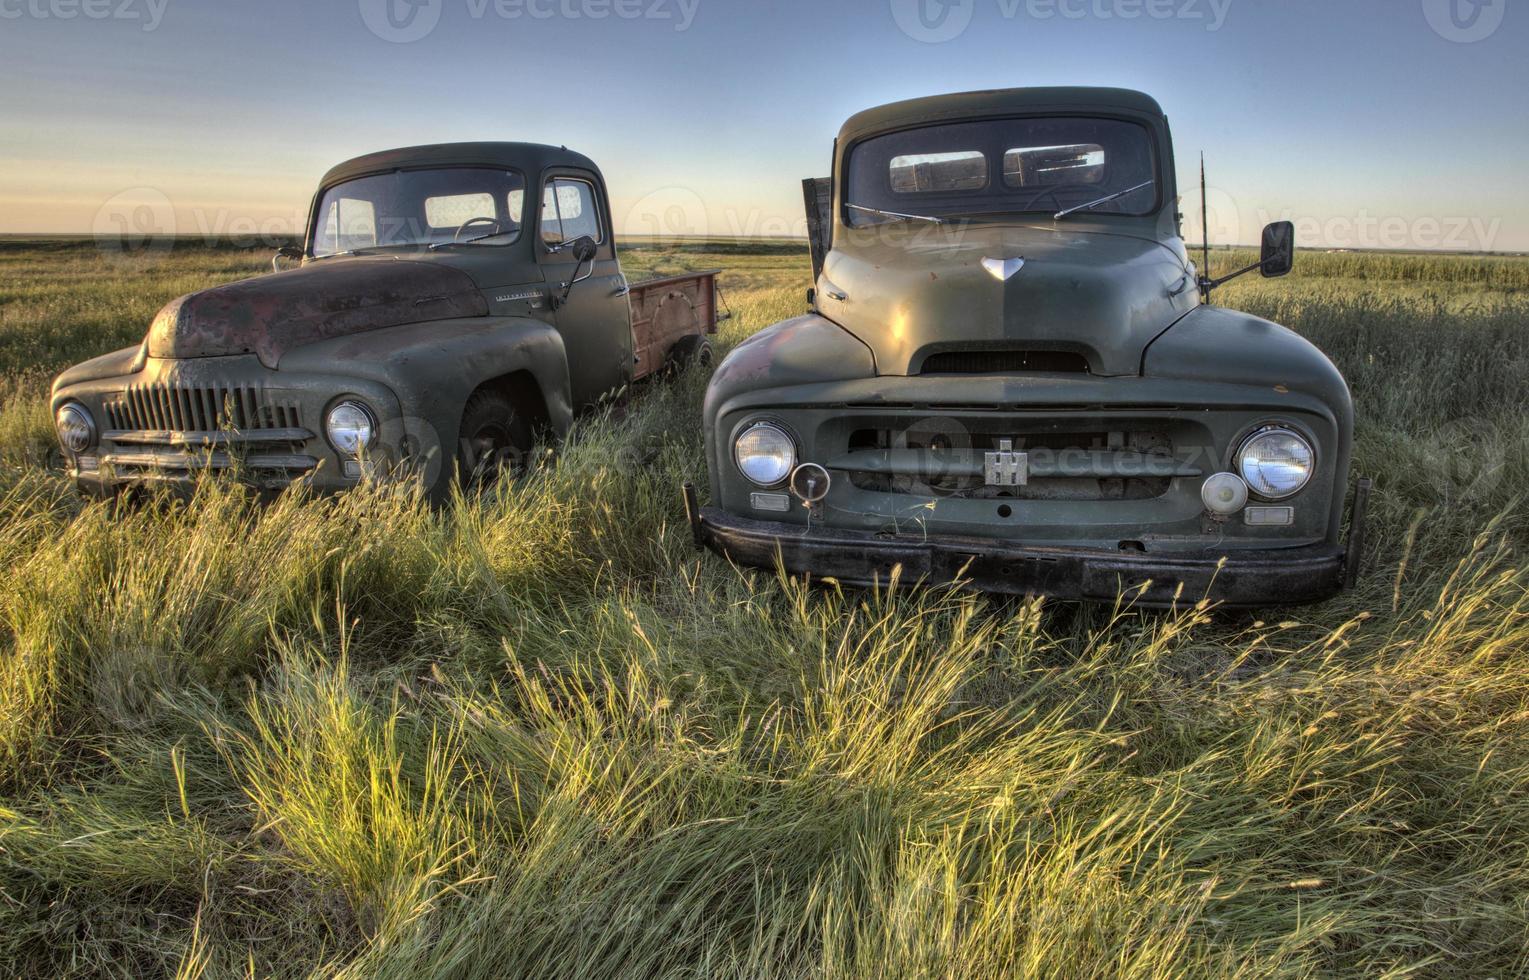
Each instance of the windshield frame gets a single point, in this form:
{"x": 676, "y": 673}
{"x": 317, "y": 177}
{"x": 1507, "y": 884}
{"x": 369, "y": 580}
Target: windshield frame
{"x": 315, "y": 219}
{"x": 1151, "y": 130}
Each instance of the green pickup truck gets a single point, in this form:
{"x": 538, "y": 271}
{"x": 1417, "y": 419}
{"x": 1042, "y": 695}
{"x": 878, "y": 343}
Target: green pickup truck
{"x": 436, "y": 327}
{"x": 1011, "y": 376}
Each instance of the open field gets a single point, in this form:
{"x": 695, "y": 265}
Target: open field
{"x": 539, "y": 735}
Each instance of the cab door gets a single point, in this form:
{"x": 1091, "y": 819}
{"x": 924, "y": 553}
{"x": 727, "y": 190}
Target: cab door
{"x": 595, "y": 319}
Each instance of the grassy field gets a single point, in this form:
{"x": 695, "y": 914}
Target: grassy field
{"x": 539, "y": 735}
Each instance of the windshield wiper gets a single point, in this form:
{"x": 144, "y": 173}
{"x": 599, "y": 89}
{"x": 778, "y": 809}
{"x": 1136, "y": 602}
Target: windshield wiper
{"x": 466, "y": 241}
{"x": 1103, "y": 200}
{"x": 349, "y": 251}
{"x": 897, "y": 214}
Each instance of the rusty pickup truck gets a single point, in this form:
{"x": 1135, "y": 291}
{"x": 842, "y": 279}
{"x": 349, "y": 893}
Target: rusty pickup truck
{"x": 434, "y": 324}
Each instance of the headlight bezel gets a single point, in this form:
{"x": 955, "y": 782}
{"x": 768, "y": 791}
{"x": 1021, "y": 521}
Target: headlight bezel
{"x": 362, "y": 444}
{"x": 91, "y": 434}
{"x": 780, "y": 428}
{"x": 1263, "y": 430}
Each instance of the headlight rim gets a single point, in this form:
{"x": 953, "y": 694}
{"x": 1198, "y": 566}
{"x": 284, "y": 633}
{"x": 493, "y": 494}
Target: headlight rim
{"x": 1263, "y": 429}
{"x": 371, "y": 420}
{"x": 93, "y": 433}
{"x": 778, "y": 426}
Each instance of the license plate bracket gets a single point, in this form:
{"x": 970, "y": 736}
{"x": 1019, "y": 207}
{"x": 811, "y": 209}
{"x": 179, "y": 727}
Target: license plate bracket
{"x": 1006, "y": 467}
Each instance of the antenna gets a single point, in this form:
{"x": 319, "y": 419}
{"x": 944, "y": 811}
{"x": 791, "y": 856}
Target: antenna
{"x": 1204, "y": 232}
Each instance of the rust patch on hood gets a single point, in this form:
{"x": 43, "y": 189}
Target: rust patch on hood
{"x": 270, "y": 315}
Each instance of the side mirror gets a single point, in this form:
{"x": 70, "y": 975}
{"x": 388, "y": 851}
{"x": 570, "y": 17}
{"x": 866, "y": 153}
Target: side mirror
{"x": 1277, "y": 257}
{"x": 285, "y": 252}
{"x": 584, "y": 251}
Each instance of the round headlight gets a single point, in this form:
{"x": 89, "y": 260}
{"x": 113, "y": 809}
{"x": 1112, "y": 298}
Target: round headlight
{"x": 1276, "y": 463}
{"x": 349, "y": 427}
{"x": 765, "y": 454}
{"x": 76, "y": 429}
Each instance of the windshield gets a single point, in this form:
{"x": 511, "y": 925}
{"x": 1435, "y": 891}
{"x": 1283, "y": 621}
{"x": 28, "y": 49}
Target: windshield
{"x": 1002, "y": 166}
{"x": 420, "y": 207}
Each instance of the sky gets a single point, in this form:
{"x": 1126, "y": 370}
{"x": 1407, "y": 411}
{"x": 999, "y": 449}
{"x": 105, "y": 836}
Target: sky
{"x": 1370, "y": 123}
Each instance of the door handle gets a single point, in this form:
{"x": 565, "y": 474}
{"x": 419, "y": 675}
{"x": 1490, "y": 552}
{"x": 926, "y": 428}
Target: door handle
{"x": 622, "y": 290}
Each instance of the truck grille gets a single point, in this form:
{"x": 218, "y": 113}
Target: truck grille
{"x": 1119, "y": 464}
{"x": 181, "y": 408}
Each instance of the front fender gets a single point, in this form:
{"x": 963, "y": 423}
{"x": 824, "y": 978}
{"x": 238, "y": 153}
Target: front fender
{"x": 1212, "y": 343}
{"x": 113, "y": 365}
{"x": 434, "y": 367}
{"x": 802, "y": 350}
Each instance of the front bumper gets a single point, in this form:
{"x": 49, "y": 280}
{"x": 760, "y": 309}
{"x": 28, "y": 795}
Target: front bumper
{"x": 1237, "y": 578}
{"x": 169, "y": 422}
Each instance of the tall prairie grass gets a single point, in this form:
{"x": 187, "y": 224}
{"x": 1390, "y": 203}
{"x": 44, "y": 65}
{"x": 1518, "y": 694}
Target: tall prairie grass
{"x": 537, "y": 734}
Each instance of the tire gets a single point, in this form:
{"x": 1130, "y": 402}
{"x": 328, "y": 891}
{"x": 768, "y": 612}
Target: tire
{"x": 692, "y": 350}
{"x": 493, "y": 441}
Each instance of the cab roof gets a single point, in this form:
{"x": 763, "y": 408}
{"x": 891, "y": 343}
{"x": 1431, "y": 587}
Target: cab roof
{"x": 529, "y": 157}
{"x": 995, "y": 102}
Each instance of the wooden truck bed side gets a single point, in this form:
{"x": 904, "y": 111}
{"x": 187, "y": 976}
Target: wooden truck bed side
{"x": 667, "y": 310}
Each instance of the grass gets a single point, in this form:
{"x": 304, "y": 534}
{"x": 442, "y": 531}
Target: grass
{"x": 538, "y": 735}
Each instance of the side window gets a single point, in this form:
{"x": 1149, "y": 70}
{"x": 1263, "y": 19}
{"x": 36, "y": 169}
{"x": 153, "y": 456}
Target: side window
{"x": 569, "y": 211}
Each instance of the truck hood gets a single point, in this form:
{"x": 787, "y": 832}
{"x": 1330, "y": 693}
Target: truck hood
{"x": 912, "y": 290}
{"x": 270, "y": 315}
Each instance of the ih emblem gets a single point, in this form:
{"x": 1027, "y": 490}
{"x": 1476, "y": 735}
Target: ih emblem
{"x": 1003, "y": 269}
{"x": 1006, "y": 468}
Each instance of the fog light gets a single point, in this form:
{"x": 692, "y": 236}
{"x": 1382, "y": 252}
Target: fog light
{"x": 810, "y": 483}
{"x": 1224, "y": 494}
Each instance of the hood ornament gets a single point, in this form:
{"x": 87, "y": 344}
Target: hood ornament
{"x": 1003, "y": 269}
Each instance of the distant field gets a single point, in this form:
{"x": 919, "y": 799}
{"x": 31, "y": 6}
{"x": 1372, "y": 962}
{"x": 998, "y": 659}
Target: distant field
{"x": 539, "y": 735}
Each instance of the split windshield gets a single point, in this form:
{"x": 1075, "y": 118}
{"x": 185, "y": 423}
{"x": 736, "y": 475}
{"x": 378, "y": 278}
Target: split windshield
{"x": 421, "y": 207}
{"x": 1001, "y": 166}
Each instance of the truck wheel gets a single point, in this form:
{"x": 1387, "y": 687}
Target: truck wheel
{"x": 494, "y": 440}
{"x": 693, "y": 350}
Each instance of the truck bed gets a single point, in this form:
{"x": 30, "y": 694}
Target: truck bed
{"x": 668, "y": 309}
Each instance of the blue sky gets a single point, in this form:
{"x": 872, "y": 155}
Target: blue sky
{"x": 1373, "y": 124}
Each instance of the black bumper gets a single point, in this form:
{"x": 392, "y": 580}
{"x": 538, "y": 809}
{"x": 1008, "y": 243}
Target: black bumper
{"x": 1245, "y": 578}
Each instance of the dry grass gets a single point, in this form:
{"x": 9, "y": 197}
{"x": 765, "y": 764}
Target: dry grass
{"x": 538, "y": 735}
